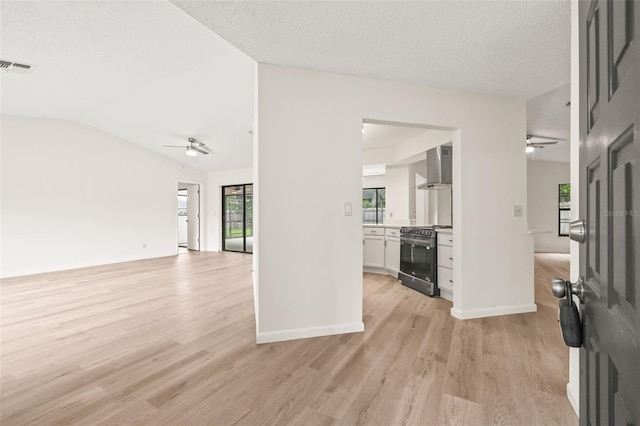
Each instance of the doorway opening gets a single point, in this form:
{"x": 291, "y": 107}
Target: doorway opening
{"x": 237, "y": 218}
{"x": 188, "y": 217}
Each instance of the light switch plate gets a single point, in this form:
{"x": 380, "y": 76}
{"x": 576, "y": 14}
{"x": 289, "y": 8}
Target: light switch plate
{"x": 517, "y": 211}
{"x": 347, "y": 209}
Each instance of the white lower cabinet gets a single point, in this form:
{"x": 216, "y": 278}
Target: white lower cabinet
{"x": 445, "y": 264}
{"x": 373, "y": 247}
{"x": 392, "y": 255}
{"x": 445, "y": 279}
{"x": 381, "y": 250}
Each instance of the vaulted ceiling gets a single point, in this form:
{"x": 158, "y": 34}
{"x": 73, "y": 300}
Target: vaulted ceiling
{"x": 152, "y": 74}
{"x": 141, "y": 70}
{"x": 513, "y": 48}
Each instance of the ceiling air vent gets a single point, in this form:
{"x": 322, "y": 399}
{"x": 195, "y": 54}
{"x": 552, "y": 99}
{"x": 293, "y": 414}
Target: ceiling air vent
{"x": 15, "y": 67}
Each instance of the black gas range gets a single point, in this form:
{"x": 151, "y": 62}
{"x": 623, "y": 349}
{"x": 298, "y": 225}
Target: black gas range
{"x": 418, "y": 259}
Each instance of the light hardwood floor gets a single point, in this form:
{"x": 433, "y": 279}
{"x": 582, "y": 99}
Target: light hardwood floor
{"x": 172, "y": 341}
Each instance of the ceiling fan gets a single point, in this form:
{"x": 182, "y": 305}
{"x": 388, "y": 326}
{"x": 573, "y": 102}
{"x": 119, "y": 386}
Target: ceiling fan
{"x": 193, "y": 148}
{"x": 532, "y": 145}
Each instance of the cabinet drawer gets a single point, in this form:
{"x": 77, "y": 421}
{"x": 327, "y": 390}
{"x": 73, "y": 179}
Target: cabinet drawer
{"x": 445, "y": 239}
{"x": 373, "y": 231}
{"x": 392, "y": 232}
{"x": 445, "y": 278}
{"x": 445, "y": 256}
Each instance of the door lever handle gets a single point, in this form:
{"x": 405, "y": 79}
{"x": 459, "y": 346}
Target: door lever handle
{"x": 560, "y": 288}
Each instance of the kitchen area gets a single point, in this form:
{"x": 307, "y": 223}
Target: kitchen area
{"x": 407, "y": 207}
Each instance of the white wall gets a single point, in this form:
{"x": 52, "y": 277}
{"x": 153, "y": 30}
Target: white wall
{"x": 440, "y": 206}
{"x": 216, "y": 181}
{"x": 73, "y": 196}
{"x": 398, "y": 191}
{"x": 377, "y": 181}
{"x": 422, "y": 196}
{"x": 310, "y": 125}
{"x": 543, "y": 178}
{"x": 413, "y": 169}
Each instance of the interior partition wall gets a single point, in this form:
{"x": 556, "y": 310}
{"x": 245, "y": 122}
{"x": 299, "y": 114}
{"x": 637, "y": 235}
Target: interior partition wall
{"x": 237, "y": 218}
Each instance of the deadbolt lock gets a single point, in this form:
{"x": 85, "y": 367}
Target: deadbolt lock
{"x": 578, "y": 231}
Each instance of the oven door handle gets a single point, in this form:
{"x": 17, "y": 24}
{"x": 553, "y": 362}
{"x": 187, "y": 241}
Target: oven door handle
{"x": 416, "y": 242}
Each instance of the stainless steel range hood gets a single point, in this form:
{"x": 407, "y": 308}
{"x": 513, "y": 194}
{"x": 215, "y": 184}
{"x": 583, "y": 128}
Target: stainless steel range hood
{"x": 439, "y": 167}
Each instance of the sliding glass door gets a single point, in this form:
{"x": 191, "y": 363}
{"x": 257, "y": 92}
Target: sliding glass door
{"x": 237, "y": 218}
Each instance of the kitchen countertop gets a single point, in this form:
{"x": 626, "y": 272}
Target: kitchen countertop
{"x": 381, "y": 225}
{"x": 445, "y": 230}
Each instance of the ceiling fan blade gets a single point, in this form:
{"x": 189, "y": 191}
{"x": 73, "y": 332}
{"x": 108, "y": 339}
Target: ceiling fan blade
{"x": 200, "y": 150}
{"x": 175, "y": 146}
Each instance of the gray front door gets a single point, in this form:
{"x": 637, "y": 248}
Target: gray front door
{"x": 610, "y": 203}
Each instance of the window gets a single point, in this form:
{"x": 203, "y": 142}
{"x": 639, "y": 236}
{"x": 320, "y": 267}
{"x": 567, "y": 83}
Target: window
{"x": 564, "y": 209}
{"x": 373, "y": 201}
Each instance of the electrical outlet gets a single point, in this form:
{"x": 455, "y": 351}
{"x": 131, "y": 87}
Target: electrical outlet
{"x": 144, "y": 245}
{"x": 517, "y": 211}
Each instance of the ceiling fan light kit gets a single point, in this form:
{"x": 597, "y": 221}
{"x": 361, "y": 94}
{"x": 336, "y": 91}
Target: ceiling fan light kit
{"x": 532, "y": 145}
{"x": 193, "y": 148}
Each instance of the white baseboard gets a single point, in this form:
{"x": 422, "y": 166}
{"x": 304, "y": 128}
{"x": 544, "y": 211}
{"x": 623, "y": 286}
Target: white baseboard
{"x": 574, "y": 398}
{"x": 551, "y": 250}
{"x": 493, "y": 312}
{"x": 380, "y": 271}
{"x": 303, "y": 333}
{"x": 446, "y": 294}
{"x": 81, "y": 265}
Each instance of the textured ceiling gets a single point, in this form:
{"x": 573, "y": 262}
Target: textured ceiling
{"x": 513, "y": 48}
{"x": 149, "y": 73}
{"x": 144, "y": 71}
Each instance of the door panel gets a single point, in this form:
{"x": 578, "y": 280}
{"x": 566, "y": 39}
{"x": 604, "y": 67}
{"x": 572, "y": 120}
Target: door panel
{"x": 193, "y": 217}
{"x": 248, "y": 219}
{"x": 233, "y": 226}
{"x": 609, "y": 200}
{"x": 237, "y": 218}
{"x": 593, "y": 64}
{"x": 619, "y": 35}
{"x": 373, "y": 251}
{"x": 594, "y": 201}
{"x": 623, "y": 206}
